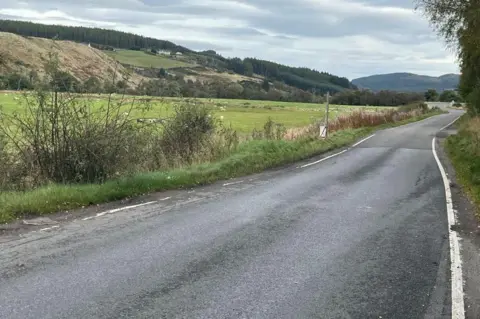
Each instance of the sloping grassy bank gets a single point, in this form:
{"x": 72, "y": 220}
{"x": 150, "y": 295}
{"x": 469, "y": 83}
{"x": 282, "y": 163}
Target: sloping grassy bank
{"x": 251, "y": 157}
{"x": 463, "y": 150}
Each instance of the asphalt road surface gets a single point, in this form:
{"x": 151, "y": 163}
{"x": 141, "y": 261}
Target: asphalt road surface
{"x": 360, "y": 235}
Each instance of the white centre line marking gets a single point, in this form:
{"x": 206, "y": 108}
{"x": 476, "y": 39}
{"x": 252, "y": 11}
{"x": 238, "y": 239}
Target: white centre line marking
{"x": 118, "y": 210}
{"x": 232, "y": 183}
{"x": 458, "y": 307}
{"x": 450, "y": 123}
{"x": 166, "y": 198}
{"x": 336, "y": 154}
{"x": 360, "y": 142}
{"x": 49, "y": 228}
{"x": 323, "y": 159}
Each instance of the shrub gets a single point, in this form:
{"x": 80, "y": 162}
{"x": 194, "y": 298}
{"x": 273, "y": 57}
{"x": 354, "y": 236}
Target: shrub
{"x": 457, "y": 104}
{"x": 187, "y": 132}
{"x": 414, "y": 106}
{"x": 57, "y": 137}
{"x": 271, "y": 131}
{"x": 354, "y": 120}
{"x": 66, "y": 140}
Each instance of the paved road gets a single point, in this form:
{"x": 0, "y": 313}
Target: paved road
{"x": 361, "y": 235}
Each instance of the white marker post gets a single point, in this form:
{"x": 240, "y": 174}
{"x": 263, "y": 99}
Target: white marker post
{"x": 326, "y": 115}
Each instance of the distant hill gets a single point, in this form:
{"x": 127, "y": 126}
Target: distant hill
{"x": 408, "y": 82}
{"x": 108, "y": 40}
{"x": 27, "y": 56}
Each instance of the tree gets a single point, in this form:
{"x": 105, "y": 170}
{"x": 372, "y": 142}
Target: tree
{"x": 382, "y": 98}
{"x": 64, "y": 82}
{"x": 99, "y": 38}
{"x": 162, "y": 73}
{"x": 92, "y": 85}
{"x": 448, "y": 17}
{"x": 33, "y": 76}
{"x": 121, "y": 86}
{"x": 248, "y": 68}
{"x": 431, "y": 95}
{"x": 458, "y": 22}
{"x": 266, "y": 85}
{"x": 17, "y": 81}
{"x": 449, "y": 96}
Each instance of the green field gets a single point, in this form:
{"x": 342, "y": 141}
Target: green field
{"x": 142, "y": 59}
{"x": 242, "y": 115}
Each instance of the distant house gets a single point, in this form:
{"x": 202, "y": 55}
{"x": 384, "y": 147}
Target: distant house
{"x": 178, "y": 53}
{"x": 163, "y": 52}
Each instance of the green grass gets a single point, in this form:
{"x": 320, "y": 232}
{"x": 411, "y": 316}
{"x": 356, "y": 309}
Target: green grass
{"x": 246, "y": 115}
{"x": 251, "y": 157}
{"x": 142, "y": 59}
{"x": 241, "y": 115}
{"x": 463, "y": 150}
{"x": 10, "y": 101}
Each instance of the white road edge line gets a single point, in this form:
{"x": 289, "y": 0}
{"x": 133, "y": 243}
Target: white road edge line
{"x": 458, "y": 307}
{"x": 111, "y": 211}
{"x": 336, "y": 154}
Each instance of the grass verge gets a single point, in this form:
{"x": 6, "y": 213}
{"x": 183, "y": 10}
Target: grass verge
{"x": 463, "y": 149}
{"x": 251, "y": 157}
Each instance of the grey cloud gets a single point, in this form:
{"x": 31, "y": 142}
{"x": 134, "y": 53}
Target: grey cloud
{"x": 393, "y": 3}
{"x": 314, "y": 22}
{"x": 302, "y": 32}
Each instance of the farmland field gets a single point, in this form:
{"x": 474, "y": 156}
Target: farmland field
{"x": 142, "y": 59}
{"x": 242, "y": 115}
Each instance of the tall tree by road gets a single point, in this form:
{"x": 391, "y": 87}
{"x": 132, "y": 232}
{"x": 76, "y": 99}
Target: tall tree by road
{"x": 458, "y": 22}
{"x": 431, "y": 95}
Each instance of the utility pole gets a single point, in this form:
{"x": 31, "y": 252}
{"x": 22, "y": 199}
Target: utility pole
{"x": 326, "y": 114}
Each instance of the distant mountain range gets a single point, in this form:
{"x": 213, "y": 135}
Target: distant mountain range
{"x": 407, "y": 82}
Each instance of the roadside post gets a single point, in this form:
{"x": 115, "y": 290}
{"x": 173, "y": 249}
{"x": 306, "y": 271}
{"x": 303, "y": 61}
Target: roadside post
{"x": 325, "y": 133}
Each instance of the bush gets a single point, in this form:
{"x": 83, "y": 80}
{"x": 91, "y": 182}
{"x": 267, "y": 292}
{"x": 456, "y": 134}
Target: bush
{"x": 271, "y": 131}
{"x": 354, "y": 120}
{"x": 58, "y": 138}
{"x": 65, "y": 140}
{"x": 9, "y": 177}
{"x": 414, "y": 106}
{"x": 187, "y": 132}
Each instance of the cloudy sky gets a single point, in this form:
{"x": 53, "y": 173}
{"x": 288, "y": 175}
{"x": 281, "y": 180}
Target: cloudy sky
{"x": 349, "y": 38}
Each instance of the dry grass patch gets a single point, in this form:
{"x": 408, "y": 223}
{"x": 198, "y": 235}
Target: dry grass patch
{"x": 23, "y": 54}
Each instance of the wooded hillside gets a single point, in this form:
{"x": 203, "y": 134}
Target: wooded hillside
{"x": 408, "y": 82}
{"x": 301, "y": 78}
{"x": 105, "y": 37}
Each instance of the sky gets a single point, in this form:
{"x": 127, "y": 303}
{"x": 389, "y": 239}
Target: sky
{"x": 350, "y": 38}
